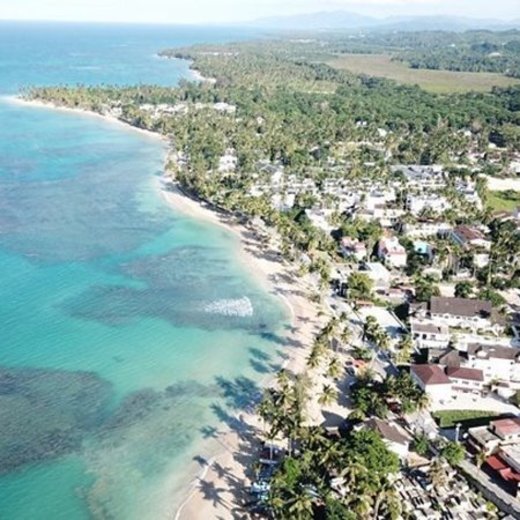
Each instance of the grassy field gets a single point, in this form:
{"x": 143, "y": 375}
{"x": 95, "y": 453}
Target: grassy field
{"x": 450, "y": 418}
{"x": 503, "y": 200}
{"x": 438, "y": 81}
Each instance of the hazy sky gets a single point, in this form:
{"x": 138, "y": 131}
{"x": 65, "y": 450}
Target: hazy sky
{"x": 217, "y": 11}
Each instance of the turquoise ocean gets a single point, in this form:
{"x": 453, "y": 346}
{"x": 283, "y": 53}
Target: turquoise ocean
{"x": 129, "y": 333}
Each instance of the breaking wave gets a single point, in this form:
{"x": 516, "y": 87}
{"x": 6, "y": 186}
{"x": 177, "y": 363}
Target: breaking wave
{"x": 241, "y": 307}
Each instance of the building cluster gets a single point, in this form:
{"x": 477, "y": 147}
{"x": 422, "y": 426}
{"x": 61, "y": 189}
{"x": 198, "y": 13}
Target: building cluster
{"x": 466, "y": 349}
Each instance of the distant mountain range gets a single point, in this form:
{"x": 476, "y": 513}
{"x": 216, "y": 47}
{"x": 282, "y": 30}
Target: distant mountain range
{"x": 345, "y": 20}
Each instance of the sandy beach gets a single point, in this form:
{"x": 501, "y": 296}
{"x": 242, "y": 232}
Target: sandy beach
{"x": 16, "y": 100}
{"x": 218, "y": 491}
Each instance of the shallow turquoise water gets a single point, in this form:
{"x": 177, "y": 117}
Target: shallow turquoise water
{"x": 126, "y": 332}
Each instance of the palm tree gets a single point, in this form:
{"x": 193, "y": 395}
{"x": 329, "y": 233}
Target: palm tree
{"x": 334, "y": 370}
{"x": 388, "y": 498}
{"x": 423, "y": 401}
{"x": 328, "y": 395}
{"x": 300, "y": 505}
{"x": 480, "y": 458}
{"x": 366, "y": 375}
{"x": 282, "y": 378}
{"x": 346, "y": 335}
{"x": 438, "y": 474}
{"x": 313, "y": 359}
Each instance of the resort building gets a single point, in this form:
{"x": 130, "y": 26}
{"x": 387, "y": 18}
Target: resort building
{"x": 469, "y": 236}
{"x": 419, "y": 203}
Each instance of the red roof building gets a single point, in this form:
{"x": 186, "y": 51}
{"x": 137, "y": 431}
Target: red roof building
{"x": 507, "y": 429}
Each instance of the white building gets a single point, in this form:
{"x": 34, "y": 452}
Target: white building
{"x": 466, "y": 379}
{"x": 379, "y": 275}
{"x": 433, "y": 381}
{"x": 468, "y": 313}
{"x": 496, "y": 362}
{"x": 392, "y": 252}
{"x": 426, "y": 229}
{"x": 429, "y": 335}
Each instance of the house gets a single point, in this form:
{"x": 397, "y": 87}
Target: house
{"x": 320, "y": 218}
{"x": 391, "y": 252}
{"x": 353, "y": 248}
{"x": 430, "y": 335}
{"x": 379, "y": 275}
{"x": 469, "y": 236}
{"x": 432, "y": 380}
{"x": 395, "y": 438}
{"x": 483, "y": 439}
{"x": 468, "y": 190}
{"x": 466, "y": 379}
{"x": 496, "y": 362}
{"x": 507, "y": 429}
{"x": 462, "y": 312}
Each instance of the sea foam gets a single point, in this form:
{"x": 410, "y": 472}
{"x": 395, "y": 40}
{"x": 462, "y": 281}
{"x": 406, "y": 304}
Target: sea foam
{"x": 240, "y": 307}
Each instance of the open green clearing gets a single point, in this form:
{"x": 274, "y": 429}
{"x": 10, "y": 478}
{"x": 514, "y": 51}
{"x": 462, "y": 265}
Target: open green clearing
{"x": 507, "y": 200}
{"x": 450, "y": 418}
{"x": 437, "y": 81}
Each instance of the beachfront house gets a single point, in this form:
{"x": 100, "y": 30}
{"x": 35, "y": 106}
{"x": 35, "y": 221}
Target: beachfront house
{"x": 395, "y": 438}
{"x": 432, "y": 380}
{"x": 465, "y": 313}
{"x": 379, "y": 275}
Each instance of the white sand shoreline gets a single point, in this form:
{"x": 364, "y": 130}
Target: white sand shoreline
{"x": 16, "y": 100}
{"x": 281, "y": 280}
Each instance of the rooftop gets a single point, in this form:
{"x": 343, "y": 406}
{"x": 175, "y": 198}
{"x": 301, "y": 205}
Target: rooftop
{"x": 468, "y": 233}
{"x": 429, "y": 328}
{"x": 493, "y": 351}
{"x": 505, "y": 427}
{"x": 430, "y": 374}
{"x": 460, "y": 306}
{"x": 472, "y": 374}
{"x": 388, "y": 431}
{"x": 483, "y": 435}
